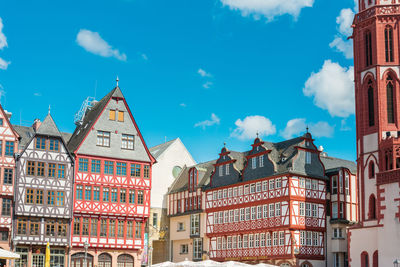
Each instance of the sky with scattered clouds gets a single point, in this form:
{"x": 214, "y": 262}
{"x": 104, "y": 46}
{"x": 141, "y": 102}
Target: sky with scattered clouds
{"x": 209, "y": 71}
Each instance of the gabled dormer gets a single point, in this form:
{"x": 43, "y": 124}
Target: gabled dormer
{"x": 193, "y": 179}
{"x": 258, "y": 163}
{"x": 227, "y": 168}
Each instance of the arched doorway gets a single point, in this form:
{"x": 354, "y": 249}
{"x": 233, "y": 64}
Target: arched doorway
{"x": 105, "y": 260}
{"x": 78, "y": 260}
{"x": 125, "y": 260}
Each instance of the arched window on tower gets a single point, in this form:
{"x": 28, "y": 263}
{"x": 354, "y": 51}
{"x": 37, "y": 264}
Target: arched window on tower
{"x": 368, "y": 48}
{"x": 389, "y": 44}
{"x": 389, "y": 99}
{"x": 371, "y": 113}
{"x": 389, "y": 159}
{"x": 364, "y": 259}
{"x": 372, "y": 208}
{"x": 375, "y": 259}
{"x": 371, "y": 169}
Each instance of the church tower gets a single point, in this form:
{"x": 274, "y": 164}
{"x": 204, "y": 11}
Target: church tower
{"x": 376, "y": 240}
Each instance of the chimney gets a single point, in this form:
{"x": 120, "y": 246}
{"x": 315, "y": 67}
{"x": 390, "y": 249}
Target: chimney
{"x": 8, "y": 114}
{"x": 36, "y": 124}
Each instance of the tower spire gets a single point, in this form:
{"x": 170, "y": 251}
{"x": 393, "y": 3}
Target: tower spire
{"x": 117, "y": 80}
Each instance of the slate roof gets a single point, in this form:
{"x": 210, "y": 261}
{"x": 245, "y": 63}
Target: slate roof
{"x": 48, "y": 127}
{"x": 332, "y": 164}
{"x": 157, "y": 150}
{"x": 88, "y": 121}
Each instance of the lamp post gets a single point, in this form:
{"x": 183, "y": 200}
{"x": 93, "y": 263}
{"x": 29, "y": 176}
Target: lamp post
{"x": 86, "y": 246}
{"x": 396, "y": 263}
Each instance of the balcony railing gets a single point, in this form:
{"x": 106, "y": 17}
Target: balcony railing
{"x": 388, "y": 177}
{"x": 377, "y": 10}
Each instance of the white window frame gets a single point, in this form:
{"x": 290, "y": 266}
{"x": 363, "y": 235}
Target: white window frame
{"x": 277, "y": 209}
{"x": 281, "y": 238}
{"x": 253, "y": 162}
{"x": 253, "y": 213}
{"x": 308, "y": 157}
{"x": 220, "y": 170}
{"x": 265, "y": 211}
{"x": 227, "y": 169}
{"x": 271, "y": 210}
{"x": 258, "y": 187}
{"x": 259, "y": 212}
{"x": 264, "y": 185}
{"x": 278, "y": 183}
{"x": 302, "y": 209}
{"x": 261, "y": 161}
{"x": 251, "y": 241}
{"x": 248, "y": 214}
{"x": 272, "y": 184}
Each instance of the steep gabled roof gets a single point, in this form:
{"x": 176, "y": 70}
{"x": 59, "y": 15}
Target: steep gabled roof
{"x": 158, "y": 150}
{"x": 332, "y": 164}
{"x": 8, "y": 121}
{"x": 48, "y": 127}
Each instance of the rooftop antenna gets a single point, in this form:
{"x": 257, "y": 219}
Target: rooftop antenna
{"x": 117, "y": 80}
{"x": 49, "y": 109}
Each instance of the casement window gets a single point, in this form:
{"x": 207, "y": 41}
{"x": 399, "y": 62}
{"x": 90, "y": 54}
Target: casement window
{"x": 229, "y": 242}
{"x": 230, "y": 192}
{"x": 219, "y": 194}
{"x": 226, "y": 216}
{"x": 93, "y": 227}
{"x": 29, "y": 196}
{"x": 215, "y": 195}
{"x": 308, "y": 238}
{"x": 261, "y": 161}
{"x": 111, "y": 115}
{"x": 334, "y": 185}
{"x": 253, "y": 213}
{"x": 121, "y": 225}
{"x": 197, "y": 248}
{"x": 242, "y": 214}
{"x": 269, "y": 243}
{"x": 114, "y": 195}
{"x": 337, "y": 233}
{"x": 121, "y": 168}
{"x": 77, "y": 226}
{"x": 79, "y": 192}
{"x": 109, "y": 167}
{"x": 21, "y": 226}
{"x": 129, "y": 229}
{"x": 258, "y": 187}
{"x": 334, "y": 210}
{"x": 106, "y": 194}
{"x": 259, "y": 212}
{"x": 195, "y": 224}
{"x": 247, "y": 214}
{"x": 146, "y": 171}
{"x": 227, "y": 169}
{"x": 277, "y": 209}
{"x": 221, "y": 217}
{"x": 251, "y": 241}
{"x": 120, "y": 116}
{"x": 234, "y": 242}
{"x": 302, "y": 182}
{"x": 301, "y": 208}
{"x": 262, "y": 240}
{"x": 50, "y": 228}
{"x": 103, "y": 227}
{"x": 246, "y": 189}
{"x": 128, "y": 142}
{"x": 236, "y": 215}
{"x": 135, "y": 170}
{"x": 140, "y": 196}
{"x": 346, "y": 183}
{"x": 219, "y": 243}
{"x": 271, "y": 210}
{"x": 252, "y": 188}
{"x": 245, "y": 241}
{"x": 235, "y": 192}
{"x": 122, "y": 195}
{"x": 60, "y": 171}
{"x": 111, "y": 228}
{"x": 340, "y": 189}
{"x": 239, "y": 241}
{"x": 40, "y": 143}
{"x": 275, "y": 239}
{"x": 278, "y": 183}
{"x": 103, "y": 138}
{"x": 132, "y": 196}
{"x": 39, "y": 196}
{"x": 231, "y": 216}
{"x": 341, "y": 211}
{"x": 225, "y": 193}
{"x": 60, "y": 199}
{"x": 83, "y": 165}
{"x": 6, "y": 207}
{"x": 181, "y": 227}
{"x": 308, "y": 157}
{"x": 256, "y": 240}
{"x": 314, "y": 185}
{"x": 85, "y": 226}
{"x": 308, "y": 209}
{"x": 96, "y": 193}
{"x": 51, "y": 198}
{"x": 271, "y": 184}
{"x": 265, "y": 211}
{"x": 62, "y": 229}
{"x": 264, "y": 185}
{"x": 240, "y": 191}
{"x": 138, "y": 230}
{"x": 155, "y": 219}
{"x": 315, "y": 239}
{"x": 253, "y": 162}
{"x": 34, "y": 227}
{"x": 281, "y": 238}
{"x": 54, "y": 145}
{"x": 40, "y": 168}
{"x": 389, "y": 44}
{"x": 314, "y": 210}
{"x": 9, "y": 148}
{"x": 308, "y": 184}
{"x": 302, "y": 238}
{"x": 95, "y": 166}
{"x": 88, "y": 192}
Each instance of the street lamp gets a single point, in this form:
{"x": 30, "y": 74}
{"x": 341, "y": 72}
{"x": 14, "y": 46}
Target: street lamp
{"x": 86, "y": 246}
{"x": 396, "y": 263}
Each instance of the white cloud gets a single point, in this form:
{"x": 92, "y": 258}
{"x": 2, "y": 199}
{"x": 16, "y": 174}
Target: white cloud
{"x": 203, "y": 124}
{"x": 37, "y": 94}
{"x": 145, "y": 57}
{"x": 183, "y": 105}
{"x": 268, "y": 8}
{"x": 203, "y": 73}
{"x": 3, "y": 38}
{"x": 344, "y": 21}
{"x": 207, "y": 85}
{"x": 332, "y": 89}
{"x": 343, "y": 126}
{"x": 251, "y": 125}
{"x": 4, "y": 64}
{"x": 296, "y": 127}
{"x": 92, "y": 42}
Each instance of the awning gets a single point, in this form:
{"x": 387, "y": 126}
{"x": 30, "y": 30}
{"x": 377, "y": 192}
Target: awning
{"x": 5, "y": 254}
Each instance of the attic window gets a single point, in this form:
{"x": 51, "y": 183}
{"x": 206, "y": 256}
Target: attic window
{"x": 120, "y": 116}
{"x": 308, "y": 157}
{"x": 227, "y": 169}
{"x": 112, "y": 115}
{"x": 254, "y": 163}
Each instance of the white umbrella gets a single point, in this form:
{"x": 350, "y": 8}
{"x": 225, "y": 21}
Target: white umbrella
{"x": 5, "y": 254}
{"x": 163, "y": 264}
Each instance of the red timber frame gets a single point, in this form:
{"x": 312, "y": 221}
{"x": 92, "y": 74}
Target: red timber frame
{"x": 290, "y": 193}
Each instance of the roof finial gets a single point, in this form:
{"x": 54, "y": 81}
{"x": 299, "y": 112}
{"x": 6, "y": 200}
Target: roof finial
{"x": 224, "y": 144}
{"x": 49, "y": 109}
{"x": 257, "y": 134}
{"x": 117, "y": 80}
{"x": 307, "y": 128}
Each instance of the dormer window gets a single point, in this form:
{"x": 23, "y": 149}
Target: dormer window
{"x": 220, "y": 170}
{"x": 254, "y": 163}
{"x": 227, "y": 169}
{"x": 308, "y": 157}
{"x": 261, "y": 160}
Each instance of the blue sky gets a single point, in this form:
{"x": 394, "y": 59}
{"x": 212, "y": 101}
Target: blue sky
{"x": 209, "y": 71}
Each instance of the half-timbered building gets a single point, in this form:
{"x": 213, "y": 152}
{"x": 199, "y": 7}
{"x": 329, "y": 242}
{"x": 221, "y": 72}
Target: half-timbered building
{"x": 187, "y": 217}
{"x": 8, "y": 146}
{"x": 112, "y": 185}
{"x": 43, "y": 195}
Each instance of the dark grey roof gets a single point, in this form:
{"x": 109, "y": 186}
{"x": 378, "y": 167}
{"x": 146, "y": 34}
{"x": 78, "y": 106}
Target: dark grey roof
{"x": 332, "y": 164}
{"x": 157, "y": 150}
{"x": 90, "y": 118}
{"x": 48, "y": 127}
